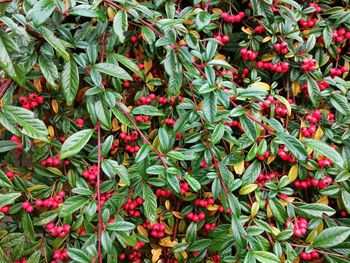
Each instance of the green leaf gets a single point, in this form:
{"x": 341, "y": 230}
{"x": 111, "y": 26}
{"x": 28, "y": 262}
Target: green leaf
{"x": 32, "y": 127}
{"x": 6, "y": 64}
{"x": 325, "y": 150}
{"x": 87, "y": 11}
{"x": 315, "y": 210}
{"x": 149, "y": 204}
{"x": 41, "y": 11}
{"x": 4, "y": 180}
{"x": 345, "y": 196}
{"x": 249, "y": 127}
{"x": 332, "y": 236}
{"x": 209, "y": 107}
{"x": 266, "y": 257}
{"x": 314, "y": 91}
{"x": 78, "y": 255}
{"x": 147, "y": 110}
{"x": 340, "y": 103}
{"x": 294, "y": 145}
{"x": 75, "y": 143}
{"x": 6, "y": 199}
{"x": 142, "y": 153}
{"x": 122, "y": 117}
{"x": 129, "y": 64}
{"x": 6, "y": 146}
{"x": 49, "y": 70}
{"x": 218, "y": 133}
{"x": 103, "y": 114}
{"x": 173, "y": 182}
{"x": 27, "y": 225}
{"x": 35, "y": 257}
{"x": 112, "y": 70}
{"x": 195, "y": 185}
{"x": 120, "y": 25}
{"x": 164, "y": 139}
{"x": 71, "y": 205}
{"x": 148, "y": 35}
{"x": 121, "y": 226}
{"x": 327, "y": 36}
{"x": 55, "y": 42}
{"x": 70, "y": 81}
{"x": 202, "y": 20}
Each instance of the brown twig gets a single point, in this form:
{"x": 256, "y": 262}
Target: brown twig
{"x": 320, "y": 251}
{"x": 100, "y": 218}
{"x": 4, "y": 87}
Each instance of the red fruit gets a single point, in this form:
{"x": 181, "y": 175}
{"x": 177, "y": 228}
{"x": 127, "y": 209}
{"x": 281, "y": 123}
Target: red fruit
{"x": 33, "y": 96}
{"x": 23, "y": 100}
{"x": 79, "y": 122}
{"x": 66, "y": 228}
{"x": 40, "y": 100}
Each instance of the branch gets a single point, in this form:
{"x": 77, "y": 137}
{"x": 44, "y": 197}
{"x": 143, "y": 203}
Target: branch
{"x": 100, "y": 218}
{"x": 4, "y": 87}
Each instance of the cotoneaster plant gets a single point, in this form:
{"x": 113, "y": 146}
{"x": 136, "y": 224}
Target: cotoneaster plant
{"x": 174, "y": 131}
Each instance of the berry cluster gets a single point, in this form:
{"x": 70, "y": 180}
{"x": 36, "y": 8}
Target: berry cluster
{"x": 299, "y": 227}
{"x": 232, "y": 18}
{"x": 52, "y": 161}
{"x": 281, "y": 47}
{"x": 26, "y": 206}
{"x": 316, "y": 6}
{"x": 131, "y": 206}
{"x": 264, "y": 178}
{"x": 222, "y": 38}
{"x": 170, "y": 122}
{"x": 203, "y": 202}
{"x": 216, "y": 258}
{"x": 58, "y": 231}
{"x": 128, "y": 139}
{"x": 324, "y": 162}
{"x": 235, "y": 123}
{"x": 157, "y": 230}
{"x": 248, "y": 54}
{"x": 304, "y": 24}
{"x": 140, "y": 118}
{"x": 91, "y": 174}
{"x": 135, "y": 38}
{"x": 264, "y": 156}
{"x": 339, "y": 35}
{"x": 31, "y": 102}
{"x": 163, "y": 193}
{"x": 196, "y": 217}
{"x": 114, "y": 145}
{"x": 308, "y": 64}
{"x": 210, "y": 227}
{"x": 184, "y": 188}
{"x": 308, "y": 182}
{"x": 10, "y": 175}
{"x": 314, "y": 116}
{"x": 103, "y": 199}
{"x": 222, "y": 210}
{"x": 60, "y": 254}
{"x": 279, "y": 67}
{"x": 336, "y": 72}
{"x": 308, "y": 131}
{"x": 16, "y": 139}
{"x": 51, "y": 202}
{"x": 286, "y": 155}
{"x": 23, "y": 260}
{"x": 309, "y": 256}
{"x": 146, "y": 100}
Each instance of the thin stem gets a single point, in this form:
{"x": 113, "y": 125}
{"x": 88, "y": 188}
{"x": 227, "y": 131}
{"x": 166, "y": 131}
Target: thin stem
{"x": 100, "y": 219}
{"x": 320, "y": 251}
{"x": 5, "y": 86}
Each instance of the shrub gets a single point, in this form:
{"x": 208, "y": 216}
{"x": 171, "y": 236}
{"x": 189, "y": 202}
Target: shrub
{"x": 174, "y": 131}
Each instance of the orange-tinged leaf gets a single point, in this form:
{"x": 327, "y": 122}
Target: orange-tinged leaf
{"x": 323, "y": 200}
{"x": 115, "y": 125}
{"x": 293, "y": 173}
{"x": 54, "y": 106}
{"x": 156, "y": 253}
{"x": 124, "y": 128}
{"x": 296, "y": 88}
{"x": 239, "y": 168}
{"x": 319, "y": 133}
{"x": 168, "y": 230}
{"x": 216, "y": 10}
{"x": 167, "y": 204}
{"x": 147, "y": 65}
{"x": 177, "y": 214}
{"x": 212, "y": 208}
{"x": 37, "y": 85}
{"x": 195, "y": 33}
{"x": 51, "y": 131}
{"x": 142, "y": 231}
{"x": 220, "y": 57}
{"x": 268, "y": 211}
{"x": 271, "y": 159}
{"x": 36, "y": 187}
{"x": 275, "y": 231}
{"x": 267, "y": 57}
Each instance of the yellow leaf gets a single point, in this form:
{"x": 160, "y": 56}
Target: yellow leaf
{"x": 255, "y": 209}
{"x": 216, "y": 10}
{"x": 115, "y": 125}
{"x": 121, "y": 184}
{"x": 310, "y": 168}
{"x": 195, "y": 33}
{"x": 156, "y": 254}
{"x": 247, "y": 189}
{"x": 51, "y": 131}
{"x": 263, "y": 85}
{"x": 320, "y": 227}
{"x": 323, "y": 200}
{"x": 271, "y": 159}
{"x": 220, "y": 57}
{"x": 167, "y": 204}
{"x": 293, "y": 173}
{"x": 36, "y": 187}
{"x": 168, "y": 230}
{"x": 311, "y": 236}
{"x": 319, "y": 133}
{"x": 246, "y": 30}
{"x": 268, "y": 211}
{"x": 239, "y": 168}
{"x": 150, "y": 87}
{"x": 54, "y": 106}
{"x": 147, "y": 65}
{"x": 346, "y": 64}
{"x": 124, "y": 128}
{"x": 267, "y": 57}
{"x": 142, "y": 231}
{"x": 266, "y": 39}
{"x": 275, "y": 231}
{"x": 212, "y": 208}
{"x": 177, "y": 214}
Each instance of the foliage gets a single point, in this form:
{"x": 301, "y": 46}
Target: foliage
{"x": 174, "y": 131}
